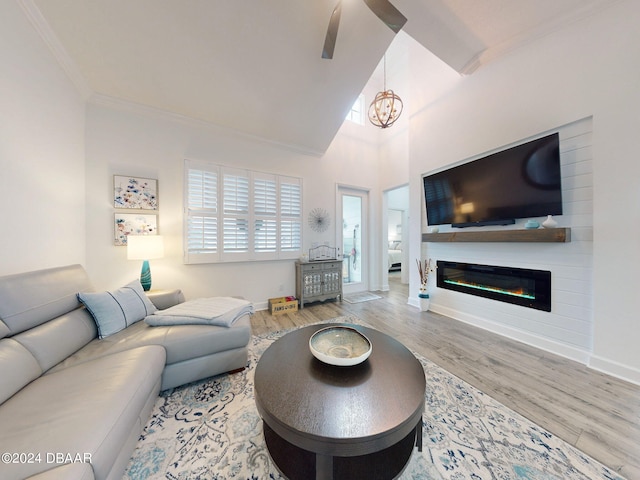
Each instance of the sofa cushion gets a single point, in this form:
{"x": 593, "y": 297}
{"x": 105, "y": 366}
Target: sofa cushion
{"x": 33, "y": 342}
{"x": 29, "y": 299}
{"x": 4, "y": 330}
{"x": 52, "y": 342}
{"x": 115, "y": 311}
{"x": 182, "y": 342}
{"x": 88, "y": 410}
{"x": 26, "y": 355}
{"x": 18, "y": 367}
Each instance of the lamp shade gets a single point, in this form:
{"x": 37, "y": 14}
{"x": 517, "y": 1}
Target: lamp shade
{"x": 145, "y": 247}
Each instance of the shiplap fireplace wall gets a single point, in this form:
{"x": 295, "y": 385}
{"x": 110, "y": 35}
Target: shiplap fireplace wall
{"x": 567, "y": 329}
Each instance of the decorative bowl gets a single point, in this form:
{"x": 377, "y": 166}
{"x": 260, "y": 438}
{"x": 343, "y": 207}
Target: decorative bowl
{"x": 340, "y": 345}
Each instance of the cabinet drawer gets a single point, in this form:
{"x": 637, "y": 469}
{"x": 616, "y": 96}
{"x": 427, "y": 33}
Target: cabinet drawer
{"x": 309, "y": 267}
{"x": 333, "y": 265}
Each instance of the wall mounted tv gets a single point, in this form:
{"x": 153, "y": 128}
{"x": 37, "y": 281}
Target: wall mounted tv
{"x": 519, "y": 182}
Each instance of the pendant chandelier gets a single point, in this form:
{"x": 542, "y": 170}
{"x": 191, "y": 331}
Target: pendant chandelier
{"x": 387, "y": 106}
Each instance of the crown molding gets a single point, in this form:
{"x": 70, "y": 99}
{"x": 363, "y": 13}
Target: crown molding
{"x": 68, "y": 65}
{"x": 115, "y": 103}
{"x": 70, "y": 68}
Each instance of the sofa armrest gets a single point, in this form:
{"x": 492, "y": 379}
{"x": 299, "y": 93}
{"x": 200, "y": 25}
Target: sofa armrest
{"x": 165, "y": 298}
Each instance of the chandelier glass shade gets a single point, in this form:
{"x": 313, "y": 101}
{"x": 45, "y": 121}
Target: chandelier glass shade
{"x": 387, "y": 106}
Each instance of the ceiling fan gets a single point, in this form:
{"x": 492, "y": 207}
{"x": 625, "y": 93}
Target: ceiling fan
{"x": 386, "y": 12}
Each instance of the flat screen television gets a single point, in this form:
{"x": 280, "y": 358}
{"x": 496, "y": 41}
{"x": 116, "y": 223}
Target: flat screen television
{"x": 519, "y": 182}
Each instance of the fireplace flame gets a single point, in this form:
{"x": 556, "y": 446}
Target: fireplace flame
{"x": 519, "y": 292}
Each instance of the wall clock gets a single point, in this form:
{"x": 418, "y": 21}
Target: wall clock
{"x": 319, "y": 219}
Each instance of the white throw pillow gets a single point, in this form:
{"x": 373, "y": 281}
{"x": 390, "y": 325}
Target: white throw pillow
{"x": 115, "y": 311}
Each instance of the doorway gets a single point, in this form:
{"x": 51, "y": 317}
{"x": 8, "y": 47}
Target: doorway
{"x": 353, "y": 207}
{"x": 397, "y": 267}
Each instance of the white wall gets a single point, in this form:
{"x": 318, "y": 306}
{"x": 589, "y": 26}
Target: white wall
{"x": 591, "y": 68}
{"x": 44, "y": 152}
{"x": 154, "y": 145}
{"x": 41, "y": 153}
{"x": 393, "y": 142}
{"x": 394, "y": 227}
{"x": 567, "y": 329}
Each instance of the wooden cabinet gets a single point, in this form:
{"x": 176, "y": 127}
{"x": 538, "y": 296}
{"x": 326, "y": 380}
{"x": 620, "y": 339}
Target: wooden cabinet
{"x": 318, "y": 281}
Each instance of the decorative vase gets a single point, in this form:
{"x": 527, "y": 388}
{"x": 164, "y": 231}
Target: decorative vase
{"x": 550, "y": 222}
{"x": 424, "y": 301}
{"x": 531, "y": 224}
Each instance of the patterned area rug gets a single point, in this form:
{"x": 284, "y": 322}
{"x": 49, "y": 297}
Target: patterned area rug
{"x": 360, "y": 297}
{"x": 211, "y": 430}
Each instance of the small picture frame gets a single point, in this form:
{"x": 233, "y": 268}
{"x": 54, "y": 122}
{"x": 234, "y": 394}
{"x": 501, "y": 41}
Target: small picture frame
{"x": 133, "y": 224}
{"x": 135, "y": 192}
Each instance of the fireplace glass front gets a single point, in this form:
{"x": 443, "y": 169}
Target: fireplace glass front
{"x": 528, "y": 288}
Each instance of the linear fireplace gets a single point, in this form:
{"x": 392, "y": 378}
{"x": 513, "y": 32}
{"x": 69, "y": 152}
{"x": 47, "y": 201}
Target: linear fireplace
{"x": 528, "y": 288}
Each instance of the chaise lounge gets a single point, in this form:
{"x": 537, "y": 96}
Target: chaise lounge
{"x": 72, "y": 404}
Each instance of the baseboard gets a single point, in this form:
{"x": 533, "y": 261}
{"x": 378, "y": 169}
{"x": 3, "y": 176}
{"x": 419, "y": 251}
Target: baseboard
{"x": 378, "y": 287}
{"x": 414, "y": 302}
{"x": 615, "y": 369}
{"x": 594, "y": 362}
{"x": 608, "y": 367}
{"x": 551, "y": 346}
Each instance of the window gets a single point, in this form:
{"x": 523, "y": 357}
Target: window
{"x": 236, "y": 215}
{"x": 356, "y": 114}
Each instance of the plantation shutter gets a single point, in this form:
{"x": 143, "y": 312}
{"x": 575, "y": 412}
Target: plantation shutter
{"x": 265, "y": 215}
{"x": 235, "y": 229}
{"x": 201, "y": 216}
{"x": 290, "y": 217}
{"x": 236, "y": 215}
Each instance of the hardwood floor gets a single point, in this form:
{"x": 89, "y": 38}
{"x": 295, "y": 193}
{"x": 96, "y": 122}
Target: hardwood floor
{"x": 597, "y": 413}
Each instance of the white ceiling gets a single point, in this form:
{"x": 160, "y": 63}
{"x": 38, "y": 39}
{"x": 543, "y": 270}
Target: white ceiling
{"x": 256, "y": 67}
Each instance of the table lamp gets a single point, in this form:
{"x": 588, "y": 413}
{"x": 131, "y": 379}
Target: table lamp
{"x": 145, "y": 248}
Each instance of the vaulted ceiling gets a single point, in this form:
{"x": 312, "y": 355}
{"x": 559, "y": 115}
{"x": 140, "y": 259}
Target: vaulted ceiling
{"x": 256, "y": 66}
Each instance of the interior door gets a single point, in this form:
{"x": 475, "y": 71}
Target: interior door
{"x": 353, "y": 207}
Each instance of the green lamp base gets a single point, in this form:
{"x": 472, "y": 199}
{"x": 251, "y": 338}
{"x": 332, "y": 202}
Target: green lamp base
{"x": 145, "y": 276}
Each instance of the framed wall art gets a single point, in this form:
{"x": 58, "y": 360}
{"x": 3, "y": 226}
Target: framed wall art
{"x": 134, "y": 224}
{"x": 135, "y": 192}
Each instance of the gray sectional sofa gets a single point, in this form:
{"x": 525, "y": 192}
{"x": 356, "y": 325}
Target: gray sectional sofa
{"x": 72, "y": 405}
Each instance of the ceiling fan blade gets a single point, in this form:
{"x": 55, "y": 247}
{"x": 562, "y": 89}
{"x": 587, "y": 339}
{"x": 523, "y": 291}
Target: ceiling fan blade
{"x": 387, "y": 13}
{"x": 332, "y": 32}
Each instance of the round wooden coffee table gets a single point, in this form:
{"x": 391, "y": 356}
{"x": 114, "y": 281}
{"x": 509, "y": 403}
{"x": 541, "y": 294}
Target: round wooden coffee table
{"x": 326, "y": 422}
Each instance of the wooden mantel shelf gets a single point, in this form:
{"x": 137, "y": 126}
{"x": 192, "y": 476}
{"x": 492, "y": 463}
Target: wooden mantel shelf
{"x": 559, "y": 235}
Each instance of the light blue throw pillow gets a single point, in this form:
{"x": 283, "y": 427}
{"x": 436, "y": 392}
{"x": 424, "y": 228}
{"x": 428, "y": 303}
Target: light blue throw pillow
{"x": 115, "y": 311}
